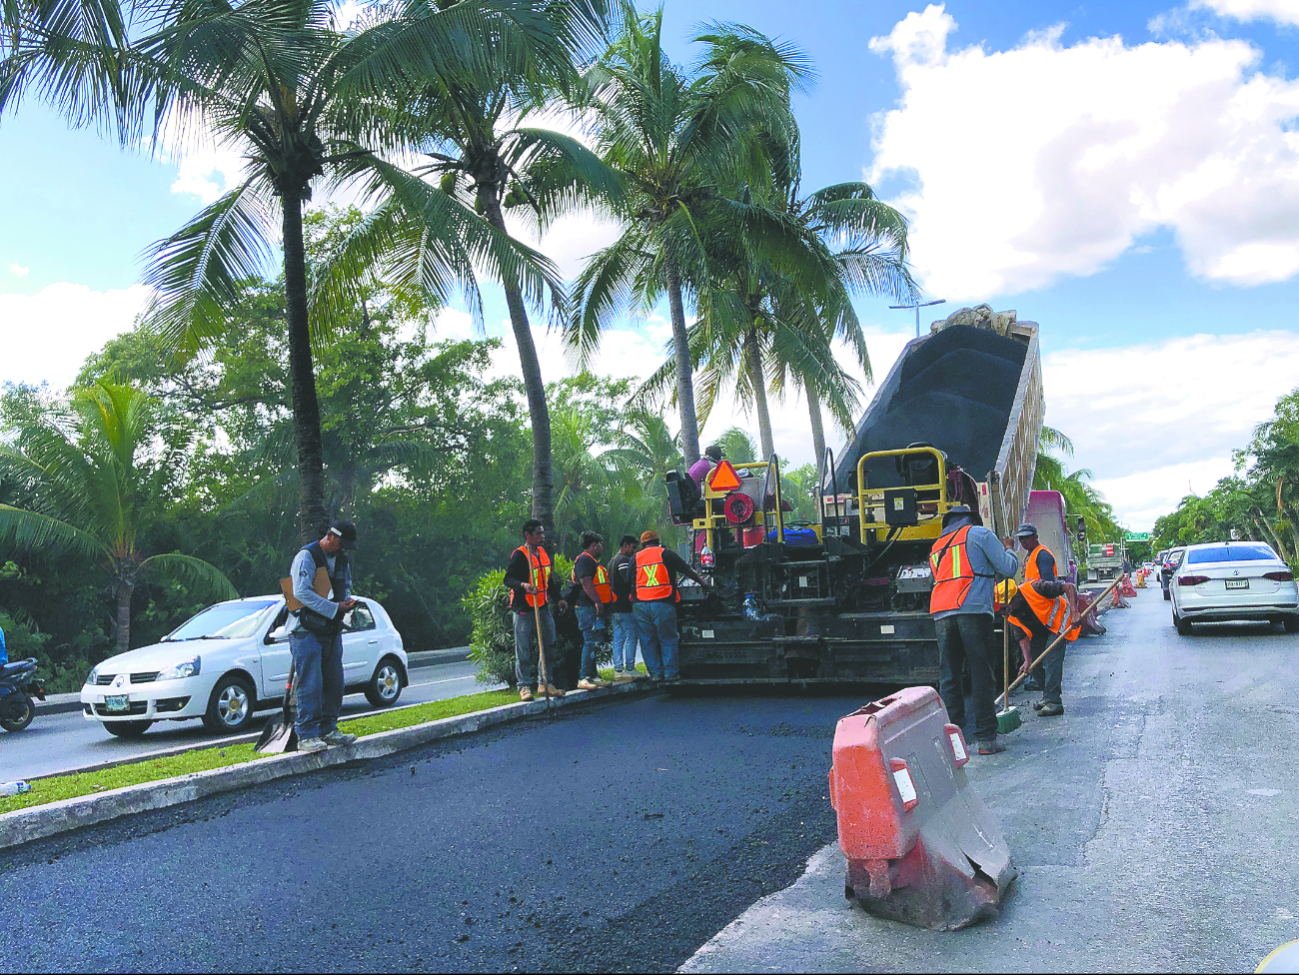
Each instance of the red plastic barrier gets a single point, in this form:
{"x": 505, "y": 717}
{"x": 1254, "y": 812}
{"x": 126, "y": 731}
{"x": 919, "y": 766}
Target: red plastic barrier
{"x": 921, "y": 846}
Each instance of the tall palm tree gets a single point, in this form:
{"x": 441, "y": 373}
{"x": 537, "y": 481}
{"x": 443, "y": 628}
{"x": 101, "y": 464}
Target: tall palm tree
{"x": 94, "y": 498}
{"x": 306, "y": 103}
{"x": 681, "y": 142}
{"x": 471, "y": 139}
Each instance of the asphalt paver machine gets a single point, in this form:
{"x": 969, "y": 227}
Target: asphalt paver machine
{"x": 957, "y": 421}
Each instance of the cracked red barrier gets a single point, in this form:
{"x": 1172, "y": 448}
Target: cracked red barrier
{"x": 921, "y": 846}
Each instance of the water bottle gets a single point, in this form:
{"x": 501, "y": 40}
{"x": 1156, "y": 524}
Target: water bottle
{"x": 15, "y": 788}
{"x": 751, "y": 606}
{"x": 706, "y": 557}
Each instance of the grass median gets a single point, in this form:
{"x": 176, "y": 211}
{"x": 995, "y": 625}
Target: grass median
{"x": 203, "y": 759}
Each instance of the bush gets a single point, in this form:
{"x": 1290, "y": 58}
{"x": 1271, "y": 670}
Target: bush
{"x": 491, "y": 645}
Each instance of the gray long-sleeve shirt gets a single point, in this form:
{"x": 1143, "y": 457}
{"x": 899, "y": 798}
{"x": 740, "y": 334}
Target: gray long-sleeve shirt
{"x": 990, "y": 561}
{"x": 303, "y": 572}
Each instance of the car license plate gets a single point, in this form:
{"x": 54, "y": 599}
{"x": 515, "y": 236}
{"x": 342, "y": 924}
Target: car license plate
{"x": 1237, "y": 583}
{"x": 118, "y": 703}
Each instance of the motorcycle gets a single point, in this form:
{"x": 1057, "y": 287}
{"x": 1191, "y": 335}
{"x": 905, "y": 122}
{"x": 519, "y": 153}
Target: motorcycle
{"x": 17, "y": 688}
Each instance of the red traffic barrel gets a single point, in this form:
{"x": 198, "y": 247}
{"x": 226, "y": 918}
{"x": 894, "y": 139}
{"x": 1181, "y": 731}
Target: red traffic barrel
{"x": 922, "y": 847}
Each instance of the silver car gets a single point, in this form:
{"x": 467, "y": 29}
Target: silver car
{"x": 1233, "y": 581}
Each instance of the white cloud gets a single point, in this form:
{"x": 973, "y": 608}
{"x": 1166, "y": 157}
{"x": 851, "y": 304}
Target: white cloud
{"x": 1047, "y": 160}
{"x": 1282, "y": 11}
{"x": 49, "y": 334}
{"x": 19, "y": 270}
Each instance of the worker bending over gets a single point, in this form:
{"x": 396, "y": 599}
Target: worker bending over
{"x": 1040, "y": 611}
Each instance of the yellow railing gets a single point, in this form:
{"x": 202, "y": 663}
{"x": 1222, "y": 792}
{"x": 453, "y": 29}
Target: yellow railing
{"x": 870, "y": 500}
{"x": 714, "y": 519}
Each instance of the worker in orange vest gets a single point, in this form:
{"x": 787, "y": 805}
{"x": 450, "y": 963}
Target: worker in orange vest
{"x": 533, "y": 587}
{"x": 1040, "y": 611}
{"x": 1039, "y": 563}
{"x": 966, "y": 561}
{"x": 594, "y": 597}
{"x": 654, "y": 602}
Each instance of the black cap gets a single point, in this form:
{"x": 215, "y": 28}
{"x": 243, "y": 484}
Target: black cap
{"x": 346, "y": 532}
{"x": 1024, "y": 530}
{"x": 714, "y": 451}
{"x": 962, "y": 511}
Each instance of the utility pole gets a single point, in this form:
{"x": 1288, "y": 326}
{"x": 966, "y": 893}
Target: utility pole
{"x": 917, "y": 307}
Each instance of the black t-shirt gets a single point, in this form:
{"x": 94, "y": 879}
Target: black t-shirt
{"x": 622, "y": 576}
{"x": 1045, "y": 564}
{"x": 584, "y": 568}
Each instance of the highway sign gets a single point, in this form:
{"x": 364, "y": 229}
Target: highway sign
{"x": 1136, "y": 536}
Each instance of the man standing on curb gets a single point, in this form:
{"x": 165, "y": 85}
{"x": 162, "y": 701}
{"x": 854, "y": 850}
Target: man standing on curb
{"x": 316, "y": 639}
{"x": 655, "y": 599}
{"x": 622, "y": 570}
{"x": 966, "y": 561}
{"x": 532, "y": 585}
{"x": 594, "y": 597}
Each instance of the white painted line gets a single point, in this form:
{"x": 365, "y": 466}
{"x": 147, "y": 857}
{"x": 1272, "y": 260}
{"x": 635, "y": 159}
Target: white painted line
{"x": 445, "y": 680}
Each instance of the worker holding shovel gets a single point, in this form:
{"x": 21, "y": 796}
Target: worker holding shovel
{"x": 1040, "y": 611}
{"x": 532, "y": 587}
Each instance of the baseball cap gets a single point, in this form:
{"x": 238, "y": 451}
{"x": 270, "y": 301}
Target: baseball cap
{"x": 346, "y": 532}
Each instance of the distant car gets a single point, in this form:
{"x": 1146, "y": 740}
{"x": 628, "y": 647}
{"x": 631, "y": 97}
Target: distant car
{"x": 1233, "y": 581}
{"x": 233, "y": 659}
{"x": 1172, "y": 559}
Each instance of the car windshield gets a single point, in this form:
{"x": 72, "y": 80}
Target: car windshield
{"x": 226, "y": 621}
{"x": 1255, "y": 552}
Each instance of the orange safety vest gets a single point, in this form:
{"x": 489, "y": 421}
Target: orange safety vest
{"x": 950, "y": 564}
{"x": 1031, "y": 573}
{"x": 652, "y": 581}
{"x": 1053, "y": 613}
{"x": 538, "y": 575}
{"x": 601, "y": 581}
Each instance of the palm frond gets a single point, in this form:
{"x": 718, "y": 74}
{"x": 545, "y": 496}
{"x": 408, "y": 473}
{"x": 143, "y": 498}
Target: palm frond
{"x": 191, "y": 572}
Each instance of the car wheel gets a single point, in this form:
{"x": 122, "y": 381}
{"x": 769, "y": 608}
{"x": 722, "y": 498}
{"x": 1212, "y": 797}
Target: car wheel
{"x": 385, "y": 686}
{"x": 230, "y": 707}
{"x": 23, "y": 710}
{"x": 1183, "y": 625}
{"x": 1291, "y": 624}
{"x": 1168, "y": 596}
{"x": 127, "y": 729}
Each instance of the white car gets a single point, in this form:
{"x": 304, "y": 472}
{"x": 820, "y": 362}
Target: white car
{"x": 233, "y": 659}
{"x": 1233, "y": 581}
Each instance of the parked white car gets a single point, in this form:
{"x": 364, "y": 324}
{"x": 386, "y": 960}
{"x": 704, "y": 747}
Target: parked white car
{"x": 1233, "y": 581}
{"x": 233, "y": 659}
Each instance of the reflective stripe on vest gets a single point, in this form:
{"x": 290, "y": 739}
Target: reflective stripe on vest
{"x": 652, "y": 581}
{"x": 538, "y": 575}
{"x": 1031, "y": 571}
{"x": 950, "y": 564}
{"x": 601, "y": 581}
{"x": 1052, "y": 613}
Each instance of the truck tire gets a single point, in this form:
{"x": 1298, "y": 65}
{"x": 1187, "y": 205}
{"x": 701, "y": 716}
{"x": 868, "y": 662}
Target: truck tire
{"x": 1168, "y": 596}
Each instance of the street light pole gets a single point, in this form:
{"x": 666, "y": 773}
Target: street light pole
{"x": 917, "y": 306}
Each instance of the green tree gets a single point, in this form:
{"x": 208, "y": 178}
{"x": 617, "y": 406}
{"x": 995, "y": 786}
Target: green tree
{"x": 96, "y": 494}
{"x": 681, "y": 143}
{"x": 307, "y": 103}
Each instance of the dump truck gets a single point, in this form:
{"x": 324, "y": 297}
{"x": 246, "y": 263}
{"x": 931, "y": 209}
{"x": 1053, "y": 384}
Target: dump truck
{"x": 846, "y": 598}
{"x": 1105, "y": 561}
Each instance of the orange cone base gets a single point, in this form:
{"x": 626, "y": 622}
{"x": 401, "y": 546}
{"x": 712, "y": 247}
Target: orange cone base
{"x": 926, "y": 891}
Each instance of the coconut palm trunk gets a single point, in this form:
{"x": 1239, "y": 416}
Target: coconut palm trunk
{"x": 312, "y": 520}
{"x": 125, "y": 590}
{"x": 818, "y": 430}
{"x": 753, "y": 360}
{"x": 685, "y": 378}
{"x": 543, "y": 485}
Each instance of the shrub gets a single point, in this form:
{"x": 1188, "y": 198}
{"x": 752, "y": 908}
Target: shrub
{"x": 491, "y": 645}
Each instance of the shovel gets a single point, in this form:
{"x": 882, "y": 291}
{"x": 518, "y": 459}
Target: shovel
{"x": 279, "y": 735}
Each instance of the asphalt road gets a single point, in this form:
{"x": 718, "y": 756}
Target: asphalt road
{"x": 1154, "y": 825}
{"x": 55, "y": 742}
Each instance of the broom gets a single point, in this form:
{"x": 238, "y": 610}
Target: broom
{"x": 1008, "y": 718}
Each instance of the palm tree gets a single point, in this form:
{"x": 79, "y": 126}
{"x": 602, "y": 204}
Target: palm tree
{"x": 306, "y": 102}
{"x": 679, "y": 141}
{"x": 486, "y": 162}
{"x": 94, "y": 498}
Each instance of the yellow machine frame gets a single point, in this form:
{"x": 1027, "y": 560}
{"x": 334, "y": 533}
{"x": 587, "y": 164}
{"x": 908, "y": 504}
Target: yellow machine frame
{"x": 715, "y": 519}
{"x": 870, "y": 501}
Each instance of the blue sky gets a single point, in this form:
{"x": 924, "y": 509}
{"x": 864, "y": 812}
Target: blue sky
{"x": 1125, "y": 174}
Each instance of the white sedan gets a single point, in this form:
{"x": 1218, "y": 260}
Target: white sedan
{"x": 1233, "y": 581}
{"x": 233, "y": 659}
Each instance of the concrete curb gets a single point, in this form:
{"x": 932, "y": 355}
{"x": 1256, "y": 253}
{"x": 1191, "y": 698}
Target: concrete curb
{"x": 38, "y": 822}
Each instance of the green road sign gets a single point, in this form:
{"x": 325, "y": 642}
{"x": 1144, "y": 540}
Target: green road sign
{"x": 1136, "y": 536}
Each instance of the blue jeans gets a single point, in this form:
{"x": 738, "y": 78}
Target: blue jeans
{"x": 319, "y": 669}
{"x": 625, "y": 637}
{"x": 657, "y": 624}
{"x": 588, "y": 621}
{"x": 525, "y": 647}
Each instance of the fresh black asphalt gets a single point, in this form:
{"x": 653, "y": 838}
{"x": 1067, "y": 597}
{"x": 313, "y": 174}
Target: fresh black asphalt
{"x": 618, "y": 837}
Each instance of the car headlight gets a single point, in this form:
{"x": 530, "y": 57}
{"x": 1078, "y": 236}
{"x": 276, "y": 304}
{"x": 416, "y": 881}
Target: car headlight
{"x": 187, "y": 668}
{"x": 94, "y": 675}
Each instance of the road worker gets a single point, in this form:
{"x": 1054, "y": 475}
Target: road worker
{"x": 532, "y": 586}
{"x": 654, "y": 603}
{"x": 1039, "y": 563}
{"x": 1039, "y": 612}
{"x": 966, "y": 561}
{"x": 594, "y": 602}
